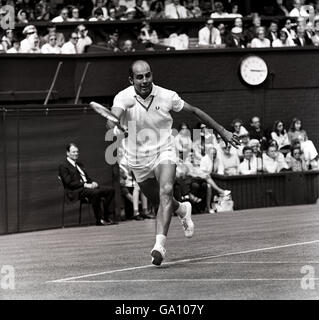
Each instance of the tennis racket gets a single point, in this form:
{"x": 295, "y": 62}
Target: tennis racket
{"x": 106, "y": 113}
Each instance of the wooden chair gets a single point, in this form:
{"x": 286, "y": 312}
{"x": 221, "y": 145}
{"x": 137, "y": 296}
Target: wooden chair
{"x": 82, "y": 201}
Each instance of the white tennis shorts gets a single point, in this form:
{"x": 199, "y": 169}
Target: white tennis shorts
{"x": 145, "y": 170}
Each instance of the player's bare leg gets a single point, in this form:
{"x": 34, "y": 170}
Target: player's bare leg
{"x": 160, "y": 192}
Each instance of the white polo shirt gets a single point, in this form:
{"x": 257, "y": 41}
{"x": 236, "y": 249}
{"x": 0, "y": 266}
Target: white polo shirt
{"x": 149, "y": 122}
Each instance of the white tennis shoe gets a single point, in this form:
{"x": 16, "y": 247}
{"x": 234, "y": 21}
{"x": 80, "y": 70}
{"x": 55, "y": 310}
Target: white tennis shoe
{"x": 158, "y": 254}
{"x": 186, "y": 221}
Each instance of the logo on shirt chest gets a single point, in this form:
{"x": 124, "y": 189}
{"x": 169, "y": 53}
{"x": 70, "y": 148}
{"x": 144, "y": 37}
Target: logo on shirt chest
{"x": 157, "y": 107}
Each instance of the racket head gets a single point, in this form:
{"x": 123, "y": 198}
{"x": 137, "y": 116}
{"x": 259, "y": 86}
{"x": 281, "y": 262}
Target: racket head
{"x": 104, "y": 112}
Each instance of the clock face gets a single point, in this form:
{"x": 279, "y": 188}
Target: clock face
{"x": 253, "y": 70}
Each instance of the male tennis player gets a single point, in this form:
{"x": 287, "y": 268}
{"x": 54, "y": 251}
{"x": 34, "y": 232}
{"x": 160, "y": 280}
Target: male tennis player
{"x": 145, "y": 109}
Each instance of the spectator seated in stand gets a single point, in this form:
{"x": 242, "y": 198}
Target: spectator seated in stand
{"x": 301, "y": 10}
{"x": 129, "y": 14}
{"x": 6, "y": 39}
{"x": 27, "y": 44}
{"x": 183, "y": 141}
{"x": 209, "y": 35}
{"x": 302, "y": 38}
{"x": 296, "y": 132}
{"x": 98, "y": 15}
{"x": 147, "y": 34}
{"x": 42, "y": 11}
{"x": 79, "y": 185}
{"x": 84, "y": 39}
{"x": 297, "y": 161}
{"x": 157, "y": 10}
{"x": 249, "y": 165}
{"x": 288, "y": 28}
{"x": 75, "y": 15}
{"x": 283, "y": 41}
{"x": 229, "y": 160}
{"x": 99, "y": 12}
{"x": 140, "y": 11}
{"x": 260, "y": 41}
{"x": 119, "y": 10}
{"x": 238, "y": 127}
{"x": 59, "y": 35}
{"x": 63, "y": 17}
{"x": 15, "y": 46}
{"x": 219, "y": 11}
{"x": 113, "y": 43}
{"x": 244, "y": 142}
{"x": 234, "y": 11}
{"x": 272, "y": 33}
{"x": 257, "y": 132}
{"x": 193, "y": 9}
{"x": 175, "y": 10}
{"x": 274, "y": 161}
{"x": 128, "y": 46}
{"x": 70, "y": 46}
{"x": 280, "y": 135}
{"x": 52, "y": 46}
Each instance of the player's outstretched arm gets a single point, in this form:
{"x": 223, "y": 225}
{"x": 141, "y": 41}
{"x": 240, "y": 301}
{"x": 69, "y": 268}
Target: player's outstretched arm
{"x": 227, "y": 136}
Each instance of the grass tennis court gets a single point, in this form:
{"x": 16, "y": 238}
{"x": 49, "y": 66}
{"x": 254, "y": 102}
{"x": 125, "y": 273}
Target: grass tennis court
{"x": 249, "y": 254}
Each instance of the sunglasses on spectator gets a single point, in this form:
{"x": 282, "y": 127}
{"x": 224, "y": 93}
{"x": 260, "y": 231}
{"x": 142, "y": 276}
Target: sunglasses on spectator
{"x": 82, "y": 30}
{"x": 53, "y": 39}
{"x": 31, "y": 32}
{"x": 75, "y": 38}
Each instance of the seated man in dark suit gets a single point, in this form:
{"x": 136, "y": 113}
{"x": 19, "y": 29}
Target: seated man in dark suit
{"x": 79, "y": 185}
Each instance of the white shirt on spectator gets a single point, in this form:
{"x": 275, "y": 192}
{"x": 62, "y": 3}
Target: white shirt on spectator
{"x": 69, "y": 48}
{"x": 47, "y": 48}
{"x": 291, "y": 33}
{"x": 26, "y": 45}
{"x": 83, "y": 43}
{"x": 204, "y": 35}
{"x": 278, "y": 43}
{"x": 257, "y": 43}
{"x": 127, "y": 3}
{"x": 229, "y": 164}
{"x": 271, "y": 165}
{"x": 215, "y": 15}
{"x": 208, "y": 166}
{"x": 282, "y": 140}
{"x": 299, "y": 12}
{"x": 248, "y": 167}
{"x": 12, "y": 50}
{"x": 58, "y": 19}
{"x": 175, "y": 12}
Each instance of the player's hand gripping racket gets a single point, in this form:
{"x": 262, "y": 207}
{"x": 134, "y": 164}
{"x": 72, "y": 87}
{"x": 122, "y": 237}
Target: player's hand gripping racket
{"x": 106, "y": 113}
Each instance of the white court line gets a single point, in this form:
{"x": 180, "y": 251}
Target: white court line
{"x": 190, "y": 280}
{"x": 255, "y": 262}
{"x": 184, "y": 261}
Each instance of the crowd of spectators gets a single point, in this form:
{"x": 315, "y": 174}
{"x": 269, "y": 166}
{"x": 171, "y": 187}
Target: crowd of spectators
{"x": 203, "y": 153}
{"x": 299, "y": 28}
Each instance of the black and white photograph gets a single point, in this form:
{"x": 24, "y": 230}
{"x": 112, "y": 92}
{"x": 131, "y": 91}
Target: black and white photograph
{"x": 159, "y": 155}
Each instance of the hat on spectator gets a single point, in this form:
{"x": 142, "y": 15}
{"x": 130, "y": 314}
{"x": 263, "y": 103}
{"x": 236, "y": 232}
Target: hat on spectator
{"x": 130, "y": 10}
{"x": 236, "y": 30}
{"x": 253, "y": 142}
{"x": 29, "y": 28}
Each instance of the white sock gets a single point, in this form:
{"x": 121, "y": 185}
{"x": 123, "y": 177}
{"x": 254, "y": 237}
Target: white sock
{"x": 160, "y": 240}
{"x": 180, "y": 211}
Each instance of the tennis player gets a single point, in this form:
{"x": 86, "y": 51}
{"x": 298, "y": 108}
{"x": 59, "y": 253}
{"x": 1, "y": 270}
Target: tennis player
{"x": 144, "y": 108}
